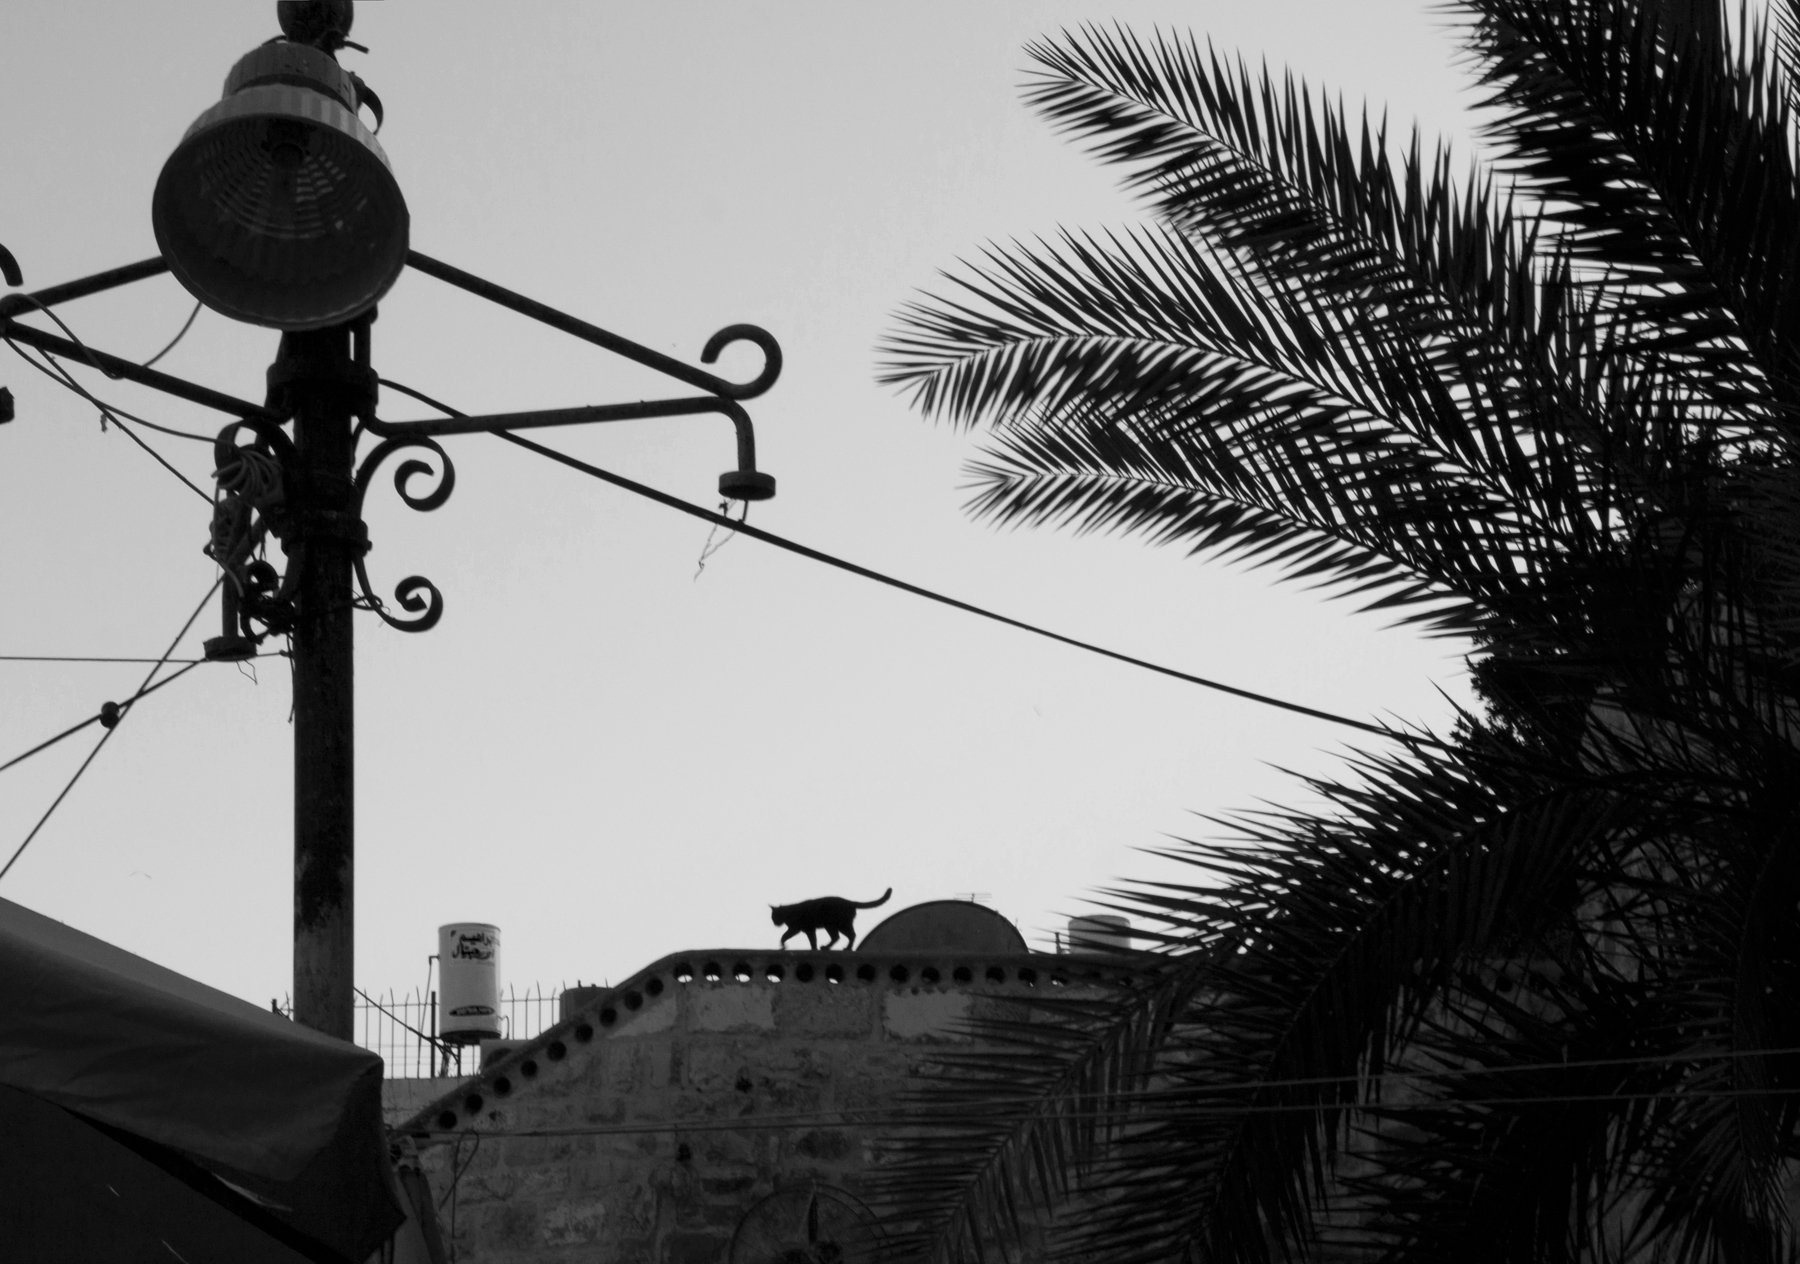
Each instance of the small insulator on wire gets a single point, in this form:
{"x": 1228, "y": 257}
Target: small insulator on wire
{"x": 109, "y": 715}
{"x": 6, "y": 406}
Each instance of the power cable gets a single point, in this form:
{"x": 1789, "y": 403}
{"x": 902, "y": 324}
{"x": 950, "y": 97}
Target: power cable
{"x": 961, "y": 1120}
{"x": 109, "y": 709}
{"x": 110, "y": 715}
{"x": 812, "y": 554}
{"x": 73, "y": 658}
{"x": 108, "y": 412}
{"x": 85, "y": 658}
{"x": 76, "y": 338}
{"x": 436, "y": 1044}
{"x": 179, "y": 335}
{"x": 61, "y": 377}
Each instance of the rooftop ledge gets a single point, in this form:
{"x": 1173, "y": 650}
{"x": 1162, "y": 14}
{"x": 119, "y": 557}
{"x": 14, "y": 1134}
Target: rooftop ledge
{"x": 589, "y": 1011}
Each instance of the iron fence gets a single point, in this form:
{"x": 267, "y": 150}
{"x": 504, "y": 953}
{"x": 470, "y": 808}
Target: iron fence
{"x": 403, "y": 1028}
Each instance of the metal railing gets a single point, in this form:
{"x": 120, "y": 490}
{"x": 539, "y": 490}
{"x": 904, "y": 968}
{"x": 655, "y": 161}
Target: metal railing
{"x": 403, "y": 1028}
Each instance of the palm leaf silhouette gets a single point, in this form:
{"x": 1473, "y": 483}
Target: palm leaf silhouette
{"x": 1519, "y": 997}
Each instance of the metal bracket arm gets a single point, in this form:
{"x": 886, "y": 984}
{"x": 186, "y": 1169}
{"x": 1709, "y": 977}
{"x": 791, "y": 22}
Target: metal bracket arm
{"x": 492, "y": 423}
{"x": 131, "y": 371}
{"x": 12, "y": 305}
{"x": 16, "y": 304}
{"x": 667, "y": 365}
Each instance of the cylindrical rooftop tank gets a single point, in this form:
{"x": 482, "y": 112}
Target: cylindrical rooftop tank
{"x": 1099, "y": 932}
{"x": 469, "y": 996}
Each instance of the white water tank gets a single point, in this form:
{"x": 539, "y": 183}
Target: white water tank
{"x": 469, "y": 996}
{"x": 1099, "y": 932}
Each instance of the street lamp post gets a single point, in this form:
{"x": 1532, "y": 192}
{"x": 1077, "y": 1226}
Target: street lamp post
{"x": 279, "y": 208}
{"x": 321, "y": 383}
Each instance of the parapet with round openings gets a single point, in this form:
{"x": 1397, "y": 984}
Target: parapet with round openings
{"x": 683, "y": 993}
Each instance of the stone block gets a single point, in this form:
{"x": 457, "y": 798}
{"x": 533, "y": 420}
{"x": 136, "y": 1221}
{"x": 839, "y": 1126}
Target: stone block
{"x": 596, "y": 1110}
{"x": 923, "y": 1014}
{"x": 829, "y": 1145}
{"x": 715, "y": 1150}
{"x": 732, "y": 1007}
{"x": 818, "y": 1009}
{"x": 697, "y": 1248}
{"x": 737, "y": 1186}
{"x": 573, "y": 1223}
{"x": 491, "y": 1229}
{"x": 658, "y": 1016}
{"x": 632, "y": 1066}
{"x": 716, "y": 1069}
{"x": 541, "y": 1179}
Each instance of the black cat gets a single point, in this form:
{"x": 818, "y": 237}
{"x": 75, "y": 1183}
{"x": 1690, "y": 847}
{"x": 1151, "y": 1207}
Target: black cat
{"x": 832, "y": 913}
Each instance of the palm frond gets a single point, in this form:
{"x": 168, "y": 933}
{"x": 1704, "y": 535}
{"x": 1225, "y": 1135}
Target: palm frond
{"x": 1227, "y": 1086}
{"x": 1520, "y": 999}
{"x": 1666, "y": 157}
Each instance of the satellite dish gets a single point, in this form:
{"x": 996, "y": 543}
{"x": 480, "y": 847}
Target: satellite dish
{"x": 806, "y": 1224}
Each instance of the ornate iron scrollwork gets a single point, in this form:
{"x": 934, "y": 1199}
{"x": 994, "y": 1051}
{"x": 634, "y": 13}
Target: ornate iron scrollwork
{"x": 415, "y": 594}
{"x": 250, "y": 505}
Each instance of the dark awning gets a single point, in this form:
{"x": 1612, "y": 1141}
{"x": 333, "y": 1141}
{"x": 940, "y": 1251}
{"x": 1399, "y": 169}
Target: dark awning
{"x": 272, "y": 1121}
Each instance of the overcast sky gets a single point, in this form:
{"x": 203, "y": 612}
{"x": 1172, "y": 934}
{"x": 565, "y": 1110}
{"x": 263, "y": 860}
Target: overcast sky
{"x": 606, "y": 756}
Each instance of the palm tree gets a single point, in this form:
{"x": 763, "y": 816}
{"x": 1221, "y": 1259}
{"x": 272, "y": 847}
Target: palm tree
{"x": 1528, "y": 991}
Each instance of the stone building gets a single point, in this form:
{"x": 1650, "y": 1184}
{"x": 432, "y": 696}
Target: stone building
{"x": 719, "y": 1107}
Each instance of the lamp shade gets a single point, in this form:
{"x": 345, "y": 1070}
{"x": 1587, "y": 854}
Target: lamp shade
{"x": 278, "y": 206}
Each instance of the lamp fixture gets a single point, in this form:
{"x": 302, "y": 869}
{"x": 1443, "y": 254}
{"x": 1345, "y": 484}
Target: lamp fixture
{"x": 278, "y": 207}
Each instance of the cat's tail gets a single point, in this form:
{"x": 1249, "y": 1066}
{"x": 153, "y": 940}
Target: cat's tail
{"x": 872, "y": 903}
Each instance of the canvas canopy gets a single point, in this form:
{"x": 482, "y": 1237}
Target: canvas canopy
{"x": 126, "y": 1088}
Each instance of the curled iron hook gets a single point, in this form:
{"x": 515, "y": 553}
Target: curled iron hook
{"x": 765, "y": 342}
{"x": 9, "y": 268}
{"x": 366, "y": 97}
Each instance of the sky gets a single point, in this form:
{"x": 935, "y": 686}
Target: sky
{"x": 611, "y": 756}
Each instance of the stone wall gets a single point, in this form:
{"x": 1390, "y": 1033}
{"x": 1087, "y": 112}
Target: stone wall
{"x": 642, "y": 1128}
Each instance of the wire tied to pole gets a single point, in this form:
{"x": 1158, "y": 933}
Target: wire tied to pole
{"x": 709, "y": 548}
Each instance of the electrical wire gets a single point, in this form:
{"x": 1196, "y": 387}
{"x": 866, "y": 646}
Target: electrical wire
{"x": 62, "y": 377}
{"x": 102, "y": 713}
{"x": 73, "y": 658}
{"x": 180, "y": 334}
{"x": 76, "y": 338}
{"x": 107, "y": 411}
{"x": 816, "y": 555}
{"x": 56, "y": 373}
{"x": 758, "y": 1123}
{"x": 117, "y": 714}
{"x": 433, "y": 1041}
